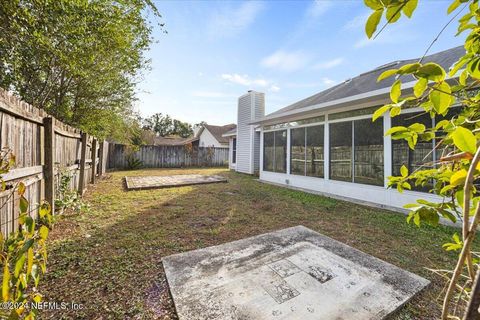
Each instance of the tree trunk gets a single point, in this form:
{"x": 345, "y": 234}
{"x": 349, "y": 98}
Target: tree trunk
{"x": 474, "y": 303}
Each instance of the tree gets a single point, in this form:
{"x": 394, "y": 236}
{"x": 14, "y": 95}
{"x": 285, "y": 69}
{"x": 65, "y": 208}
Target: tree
{"x": 458, "y": 139}
{"x": 79, "y": 60}
{"x": 164, "y": 125}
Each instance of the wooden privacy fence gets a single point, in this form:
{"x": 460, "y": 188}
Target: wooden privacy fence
{"x": 44, "y": 148}
{"x": 119, "y": 156}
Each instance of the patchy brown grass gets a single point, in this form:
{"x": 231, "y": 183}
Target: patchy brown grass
{"x": 109, "y": 259}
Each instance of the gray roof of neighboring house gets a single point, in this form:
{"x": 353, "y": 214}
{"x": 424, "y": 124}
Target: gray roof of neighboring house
{"x": 219, "y": 131}
{"x": 367, "y": 81}
{"x": 173, "y": 141}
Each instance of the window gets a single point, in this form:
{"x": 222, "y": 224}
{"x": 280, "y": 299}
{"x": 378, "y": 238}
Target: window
{"x": 268, "y": 147}
{"x": 422, "y": 156}
{"x": 357, "y": 157}
{"x": 368, "y": 152}
{"x": 297, "y": 151}
{"x": 275, "y": 151}
{"x": 234, "y": 150}
{"x": 306, "y": 151}
{"x": 341, "y": 151}
{"x": 280, "y": 164}
{"x": 315, "y": 151}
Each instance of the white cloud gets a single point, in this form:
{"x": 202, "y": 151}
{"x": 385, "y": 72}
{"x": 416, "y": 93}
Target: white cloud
{"x": 357, "y": 22}
{"x": 286, "y": 61}
{"x": 230, "y": 21}
{"x": 245, "y": 80}
{"x": 318, "y": 8}
{"x": 211, "y": 94}
{"x": 274, "y": 88}
{"x": 328, "y": 82}
{"x": 329, "y": 64}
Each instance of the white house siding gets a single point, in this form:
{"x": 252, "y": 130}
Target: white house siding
{"x": 206, "y": 139}
{"x": 251, "y": 106}
{"x": 369, "y": 194}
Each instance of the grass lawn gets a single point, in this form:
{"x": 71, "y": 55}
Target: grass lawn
{"x": 109, "y": 259}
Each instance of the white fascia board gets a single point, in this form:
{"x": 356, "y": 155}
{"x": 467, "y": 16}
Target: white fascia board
{"x": 233, "y": 134}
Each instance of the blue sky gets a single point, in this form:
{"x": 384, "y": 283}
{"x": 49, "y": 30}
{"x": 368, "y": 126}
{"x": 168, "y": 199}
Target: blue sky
{"x": 215, "y": 51}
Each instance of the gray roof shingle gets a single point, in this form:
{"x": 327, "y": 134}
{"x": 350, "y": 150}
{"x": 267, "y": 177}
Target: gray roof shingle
{"x": 367, "y": 81}
{"x": 218, "y": 131}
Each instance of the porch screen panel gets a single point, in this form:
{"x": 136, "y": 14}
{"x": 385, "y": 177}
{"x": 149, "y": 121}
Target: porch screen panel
{"x": 315, "y": 152}
{"x": 280, "y": 162}
{"x": 412, "y": 159}
{"x": 268, "y": 151}
{"x": 341, "y": 151}
{"x": 368, "y": 152}
{"x": 234, "y": 150}
{"x": 297, "y": 151}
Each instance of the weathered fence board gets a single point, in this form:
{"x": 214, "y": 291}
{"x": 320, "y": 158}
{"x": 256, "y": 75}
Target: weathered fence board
{"x": 166, "y": 156}
{"x": 22, "y": 132}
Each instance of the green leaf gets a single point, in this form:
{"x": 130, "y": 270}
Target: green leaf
{"x": 23, "y": 204}
{"x": 393, "y": 14}
{"x": 21, "y": 189}
{"x": 6, "y": 282}
{"x": 404, "y": 171}
{"x": 473, "y": 68}
{"x": 395, "y": 130}
{"x": 29, "y": 261}
{"x": 458, "y": 178}
{"x": 379, "y": 112}
{"x": 396, "y": 91}
{"x": 373, "y": 22}
{"x": 420, "y": 87}
{"x": 409, "y": 68}
{"x": 395, "y": 111}
{"x": 417, "y": 127}
{"x": 386, "y": 74}
{"x": 43, "y": 232}
{"x": 454, "y": 5}
{"x": 410, "y": 7}
{"x": 373, "y": 4}
{"x": 431, "y": 71}
{"x": 441, "y": 97}
{"x": 464, "y": 140}
{"x": 19, "y": 265}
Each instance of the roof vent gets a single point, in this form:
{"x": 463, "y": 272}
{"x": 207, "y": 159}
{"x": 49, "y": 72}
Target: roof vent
{"x": 348, "y": 80}
{"x": 388, "y": 65}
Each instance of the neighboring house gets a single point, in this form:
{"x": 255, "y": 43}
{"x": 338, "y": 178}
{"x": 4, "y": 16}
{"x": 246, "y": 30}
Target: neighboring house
{"x": 212, "y": 136}
{"x": 173, "y": 141}
{"x": 327, "y": 143}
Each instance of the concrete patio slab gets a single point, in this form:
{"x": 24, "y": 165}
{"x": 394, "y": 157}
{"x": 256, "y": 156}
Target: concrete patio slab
{"x": 154, "y": 182}
{"x": 294, "y": 273}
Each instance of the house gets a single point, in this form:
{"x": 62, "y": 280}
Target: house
{"x": 328, "y": 144}
{"x": 212, "y": 136}
{"x": 173, "y": 141}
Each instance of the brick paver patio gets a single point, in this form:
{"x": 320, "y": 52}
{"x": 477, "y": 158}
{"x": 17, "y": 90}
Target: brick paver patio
{"x": 153, "y": 182}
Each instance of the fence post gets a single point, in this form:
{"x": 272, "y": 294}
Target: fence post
{"x": 81, "y": 181}
{"x": 49, "y": 157}
{"x": 94, "y": 160}
{"x": 101, "y": 169}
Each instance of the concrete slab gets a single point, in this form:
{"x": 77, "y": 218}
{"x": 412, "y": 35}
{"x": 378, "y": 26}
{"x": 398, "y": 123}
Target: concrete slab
{"x": 294, "y": 273}
{"x": 154, "y": 182}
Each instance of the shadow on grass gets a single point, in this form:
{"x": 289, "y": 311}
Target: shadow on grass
{"x": 110, "y": 259}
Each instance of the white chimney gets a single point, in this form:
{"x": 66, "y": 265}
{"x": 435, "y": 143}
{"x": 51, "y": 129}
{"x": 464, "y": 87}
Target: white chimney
{"x": 251, "y": 106}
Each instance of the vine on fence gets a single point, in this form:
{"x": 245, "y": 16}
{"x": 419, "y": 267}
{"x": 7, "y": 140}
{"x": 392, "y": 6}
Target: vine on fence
{"x": 67, "y": 198}
{"x": 456, "y": 173}
{"x": 23, "y": 253}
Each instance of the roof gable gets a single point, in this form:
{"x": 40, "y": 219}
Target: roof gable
{"x": 218, "y": 131}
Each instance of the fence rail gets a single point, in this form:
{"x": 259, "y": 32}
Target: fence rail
{"x": 44, "y": 148}
{"x": 121, "y": 156}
